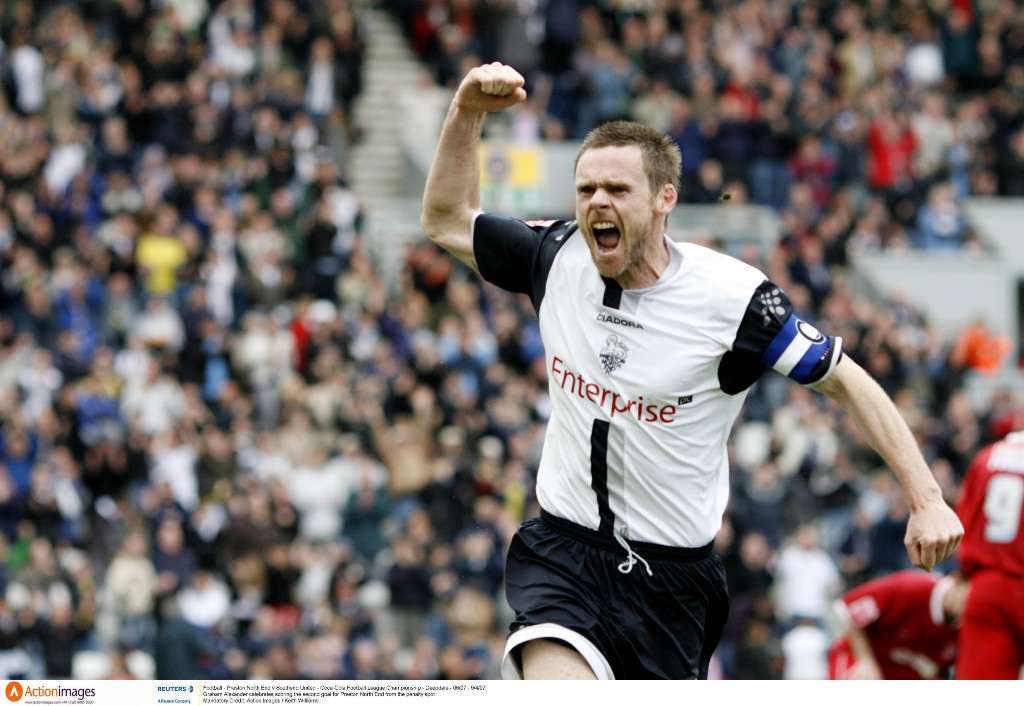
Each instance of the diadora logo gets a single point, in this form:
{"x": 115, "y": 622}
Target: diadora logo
{"x": 14, "y": 691}
{"x": 613, "y": 355}
{"x": 613, "y": 319}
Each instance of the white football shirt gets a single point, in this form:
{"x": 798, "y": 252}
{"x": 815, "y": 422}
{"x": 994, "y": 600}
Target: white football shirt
{"x": 645, "y": 384}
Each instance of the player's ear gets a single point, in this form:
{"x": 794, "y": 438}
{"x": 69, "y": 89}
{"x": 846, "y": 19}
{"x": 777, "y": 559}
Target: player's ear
{"x": 667, "y": 198}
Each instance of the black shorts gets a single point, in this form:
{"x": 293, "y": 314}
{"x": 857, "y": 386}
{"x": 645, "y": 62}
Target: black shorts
{"x": 563, "y": 582}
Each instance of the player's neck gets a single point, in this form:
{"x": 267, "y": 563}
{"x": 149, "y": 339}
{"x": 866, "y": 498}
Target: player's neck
{"x": 647, "y": 272}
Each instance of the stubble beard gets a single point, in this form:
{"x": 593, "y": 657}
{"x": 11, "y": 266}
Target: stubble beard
{"x": 635, "y": 250}
{"x": 634, "y": 257}
{"x": 603, "y": 265}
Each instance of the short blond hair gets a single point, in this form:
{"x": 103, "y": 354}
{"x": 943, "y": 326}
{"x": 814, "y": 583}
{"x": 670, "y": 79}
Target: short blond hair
{"x": 661, "y": 155}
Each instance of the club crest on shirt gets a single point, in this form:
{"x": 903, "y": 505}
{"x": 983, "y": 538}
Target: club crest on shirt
{"x": 613, "y": 355}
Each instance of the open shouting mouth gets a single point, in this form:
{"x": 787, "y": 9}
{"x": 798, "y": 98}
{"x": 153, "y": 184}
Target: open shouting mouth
{"x": 607, "y": 236}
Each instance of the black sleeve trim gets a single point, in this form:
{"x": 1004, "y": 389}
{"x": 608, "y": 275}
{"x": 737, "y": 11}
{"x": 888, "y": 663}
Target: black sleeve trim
{"x": 766, "y": 311}
{"x": 766, "y": 314}
{"x": 504, "y": 249}
{"x": 781, "y": 340}
{"x": 516, "y": 255}
{"x": 552, "y": 239}
{"x": 738, "y": 370}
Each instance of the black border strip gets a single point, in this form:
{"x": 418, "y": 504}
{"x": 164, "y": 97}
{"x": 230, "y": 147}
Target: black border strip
{"x": 599, "y": 473}
{"x": 612, "y": 293}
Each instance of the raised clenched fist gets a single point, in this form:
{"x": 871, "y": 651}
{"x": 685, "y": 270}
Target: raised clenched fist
{"x": 490, "y": 87}
{"x": 933, "y": 534}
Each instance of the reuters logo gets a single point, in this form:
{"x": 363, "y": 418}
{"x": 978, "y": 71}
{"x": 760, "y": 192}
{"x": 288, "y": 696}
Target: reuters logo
{"x": 14, "y": 691}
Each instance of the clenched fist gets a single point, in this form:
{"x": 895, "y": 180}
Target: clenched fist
{"x": 933, "y": 534}
{"x": 490, "y": 88}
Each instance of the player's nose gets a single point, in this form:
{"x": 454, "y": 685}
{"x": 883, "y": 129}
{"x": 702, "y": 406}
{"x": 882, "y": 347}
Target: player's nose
{"x": 599, "y": 199}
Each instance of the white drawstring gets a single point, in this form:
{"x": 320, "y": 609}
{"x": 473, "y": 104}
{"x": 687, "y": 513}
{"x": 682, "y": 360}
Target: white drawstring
{"x": 631, "y": 557}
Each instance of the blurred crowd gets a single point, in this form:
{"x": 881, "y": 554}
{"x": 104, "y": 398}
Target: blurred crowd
{"x": 229, "y": 450}
{"x": 876, "y": 118}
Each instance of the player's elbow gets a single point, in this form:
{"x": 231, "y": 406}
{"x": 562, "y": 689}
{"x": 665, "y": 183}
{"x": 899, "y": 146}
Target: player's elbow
{"x": 434, "y": 221}
{"x": 427, "y": 226}
{"x": 448, "y": 228}
{"x": 427, "y": 220}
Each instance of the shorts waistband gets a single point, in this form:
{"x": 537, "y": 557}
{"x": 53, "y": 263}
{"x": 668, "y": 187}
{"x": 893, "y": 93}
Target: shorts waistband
{"x": 646, "y": 549}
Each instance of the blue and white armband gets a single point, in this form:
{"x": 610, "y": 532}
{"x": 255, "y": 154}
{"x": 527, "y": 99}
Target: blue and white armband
{"x": 802, "y": 353}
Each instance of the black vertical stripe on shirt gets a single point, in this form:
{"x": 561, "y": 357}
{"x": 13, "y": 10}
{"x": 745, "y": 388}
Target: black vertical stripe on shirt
{"x": 612, "y": 293}
{"x": 599, "y": 473}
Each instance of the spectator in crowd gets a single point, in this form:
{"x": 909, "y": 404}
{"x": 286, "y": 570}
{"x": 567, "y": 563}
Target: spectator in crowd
{"x": 806, "y": 579}
{"x": 941, "y": 222}
{"x": 804, "y": 649}
{"x": 131, "y": 585}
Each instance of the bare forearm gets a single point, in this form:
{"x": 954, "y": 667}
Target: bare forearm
{"x": 452, "y": 195}
{"x": 933, "y": 529}
{"x": 885, "y": 430}
{"x": 453, "y": 184}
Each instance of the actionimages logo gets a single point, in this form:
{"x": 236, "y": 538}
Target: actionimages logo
{"x": 15, "y": 691}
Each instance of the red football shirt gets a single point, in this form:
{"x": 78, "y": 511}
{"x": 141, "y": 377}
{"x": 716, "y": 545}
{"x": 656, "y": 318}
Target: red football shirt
{"x": 901, "y": 615}
{"x": 991, "y": 506}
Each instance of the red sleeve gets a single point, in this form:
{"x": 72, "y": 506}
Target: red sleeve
{"x": 866, "y": 603}
{"x": 877, "y": 602}
{"x": 991, "y": 508}
{"x": 970, "y": 506}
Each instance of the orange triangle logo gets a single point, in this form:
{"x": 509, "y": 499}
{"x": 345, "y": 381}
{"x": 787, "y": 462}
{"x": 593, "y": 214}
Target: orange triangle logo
{"x": 14, "y": 691}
